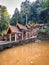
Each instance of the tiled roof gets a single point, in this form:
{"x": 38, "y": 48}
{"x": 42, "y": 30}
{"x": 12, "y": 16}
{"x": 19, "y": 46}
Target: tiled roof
{"x": 30, "y": 26}
{"x": 21, "y": 26}
{"x": 14, "y": 29}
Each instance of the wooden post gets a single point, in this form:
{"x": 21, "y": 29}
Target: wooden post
{"x": 15, "y": 37}
{"x": 10, "y": 37}
{"x": 26, "y": 35}
{"x": 29, "y": 34}
{"x": 22, "y": 35}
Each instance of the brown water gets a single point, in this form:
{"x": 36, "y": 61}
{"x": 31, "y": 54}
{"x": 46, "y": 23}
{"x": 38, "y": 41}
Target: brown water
{"x": 29, "y": 54}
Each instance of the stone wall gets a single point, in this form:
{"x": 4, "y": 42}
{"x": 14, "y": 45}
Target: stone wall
{"x": 13, "y": 44}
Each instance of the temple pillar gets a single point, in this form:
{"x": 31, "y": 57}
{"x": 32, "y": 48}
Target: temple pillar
{"x": 15, "y": 37}
{"x": 26, "y": 35}
{"x": 22, "y": 35}
{"x": 29, "y": 34}
{"x": 10, "y": 37}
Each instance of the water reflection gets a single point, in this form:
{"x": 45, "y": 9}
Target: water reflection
{"x": 29, "y": 54}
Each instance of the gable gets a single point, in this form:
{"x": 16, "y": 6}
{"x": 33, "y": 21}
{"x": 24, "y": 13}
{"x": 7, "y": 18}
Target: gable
{"x": 9, "y": 31}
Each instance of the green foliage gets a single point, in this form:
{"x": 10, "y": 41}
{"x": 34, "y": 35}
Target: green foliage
{"x": 4, "y": 17}
{"x": 15, "y": 17}
{"x": 33, "y": 11}
{"x": 45, "y": 4}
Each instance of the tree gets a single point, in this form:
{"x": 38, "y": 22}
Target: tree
{"x": 30, "y": 12}
{"x": 44, "y": 16}
{"x": 4, "y": 17}
{"x": 35, "y": 11}
{"x": 45, "y": 4}
{"x": 25, "y": 10}
{"x": 15, "y": 17}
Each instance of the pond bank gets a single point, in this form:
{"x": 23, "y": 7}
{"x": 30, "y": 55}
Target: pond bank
{"x": 6, "y": 45}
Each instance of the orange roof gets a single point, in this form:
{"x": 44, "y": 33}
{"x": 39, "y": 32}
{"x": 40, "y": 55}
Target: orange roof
{"x": 13, "y": 29}
{"x": 21, "y": 26}
{"x": 28, "y": 26}
{"x": 32, "y": 25}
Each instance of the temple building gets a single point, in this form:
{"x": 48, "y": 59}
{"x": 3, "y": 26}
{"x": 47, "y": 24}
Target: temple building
{"x": 19, "y": 32}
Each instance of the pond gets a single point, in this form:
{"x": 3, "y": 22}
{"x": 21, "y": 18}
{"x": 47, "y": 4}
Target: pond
{"x": 28, "y": 54}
